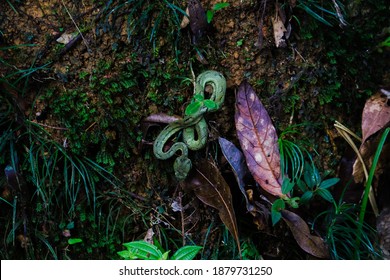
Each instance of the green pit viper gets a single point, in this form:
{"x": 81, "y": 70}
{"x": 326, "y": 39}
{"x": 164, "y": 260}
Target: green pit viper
{"x": 194, "y": 126}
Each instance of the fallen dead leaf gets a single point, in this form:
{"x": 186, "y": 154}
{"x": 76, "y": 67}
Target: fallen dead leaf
{"x": 376, "y": 115}
{"x": 211, "y": 188}
{"x": 258, "y": 140}
{"x": 311, "y": 244}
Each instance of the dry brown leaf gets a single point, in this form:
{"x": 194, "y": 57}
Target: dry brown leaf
{"x": 367, "y": 151}
{"x": 376, "y": 115}
{"x": 211, "y": 188}
{"x": 311, "y": 244}
{"x": 237, "y": 162}
{"x": 279, "y": 32}
{"x": 258, "y": 140}
{"x": 186, "y": 20}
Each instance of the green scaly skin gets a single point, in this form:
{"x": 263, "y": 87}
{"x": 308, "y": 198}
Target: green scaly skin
{"x": 191, "y": 125}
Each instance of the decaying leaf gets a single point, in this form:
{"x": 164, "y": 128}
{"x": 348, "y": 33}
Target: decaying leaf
{"x": 198, "y": 20}
{"x": 65, "y": 38}
{"x": 260, "y": 213}
{"x": 279, "y": 32}
{"x": 149, "y": 236}
{"x": 211, "y": 188}
{"x": 185, "y": 21}
{"x": 311, "y": 244}
{"x": 258, "y": 140}
{"x": 237, "y": 161}
{"x": 376, "y": 115}
{"x": 367, "y": 151}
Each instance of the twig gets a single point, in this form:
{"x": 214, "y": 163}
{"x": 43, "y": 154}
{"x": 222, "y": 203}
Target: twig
{"x": 193, "y": 76}
{"x": 49, "y": 126}
{"x": 339, "y": 14}
{"x": 182, "y": 218}
{"x": 260, "y": 39}
{"x": 75, "y": 24}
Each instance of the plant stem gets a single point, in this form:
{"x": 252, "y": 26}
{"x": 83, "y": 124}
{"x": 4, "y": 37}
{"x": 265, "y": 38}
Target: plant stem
{"x": 368, "y": 186}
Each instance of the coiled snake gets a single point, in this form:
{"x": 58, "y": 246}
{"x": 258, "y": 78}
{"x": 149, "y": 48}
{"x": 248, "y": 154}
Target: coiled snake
{"x": 194, "y": 126}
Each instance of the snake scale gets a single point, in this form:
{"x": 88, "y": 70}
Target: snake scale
{"x": 193, "y": 127}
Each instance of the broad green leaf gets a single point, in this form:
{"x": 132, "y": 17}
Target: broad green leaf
{"x": 277, "y": 206}
{"x": 328, "y": 183}
{"x": 143, "y": 250}
{"x": 186, "y": 253}
{"x": 325, "y": 194}
{"x": 198, "y": 97}
{"x": 306, "y": 197}
{"x": 72, "y": 241}
{"x": 219, "y": 6}
{"x": 311, "y": 176}
{"x": 126, "y": 254}
{"x": 317, "y": 176}
{"x": 275, "y": 217}
{"x": 287, "y": 186}
{"x": 165, "y": 256}
{"x": 210, "y": 104}
{"x": 193, "y": 108}
{"x": 209, "y": 16}
{"x": 301, "y": 185}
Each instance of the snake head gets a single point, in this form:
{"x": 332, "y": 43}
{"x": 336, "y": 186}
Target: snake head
{"x": 182, "y": 166}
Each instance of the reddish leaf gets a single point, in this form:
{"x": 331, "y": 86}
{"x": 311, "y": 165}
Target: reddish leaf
{"x": 376, "y": 115}
{"x": 258, "y": 140}
{"x": 311, "y": 244}
{"x": 211, "y": 188}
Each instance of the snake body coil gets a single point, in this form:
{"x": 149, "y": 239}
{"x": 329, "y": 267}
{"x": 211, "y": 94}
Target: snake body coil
{"x": 194, "y": 126}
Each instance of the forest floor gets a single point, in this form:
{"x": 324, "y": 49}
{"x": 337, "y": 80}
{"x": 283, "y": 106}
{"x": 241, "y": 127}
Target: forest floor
{"x": 84, "y": 75}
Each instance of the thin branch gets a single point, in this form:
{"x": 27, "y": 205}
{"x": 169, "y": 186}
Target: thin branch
{"x": 75, "y": 24}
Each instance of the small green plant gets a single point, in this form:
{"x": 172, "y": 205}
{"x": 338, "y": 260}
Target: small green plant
{"x": 198, "y": 103}
{"x": 147, "y": 22}
{"x": 383, "y": 45}
{"x": 312, "y": 184}
{"x": 347, "y": 238}
{"x": 293, "y": 152}
{"x": 146, "y": 251}
{"x": 216, "y": 7}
